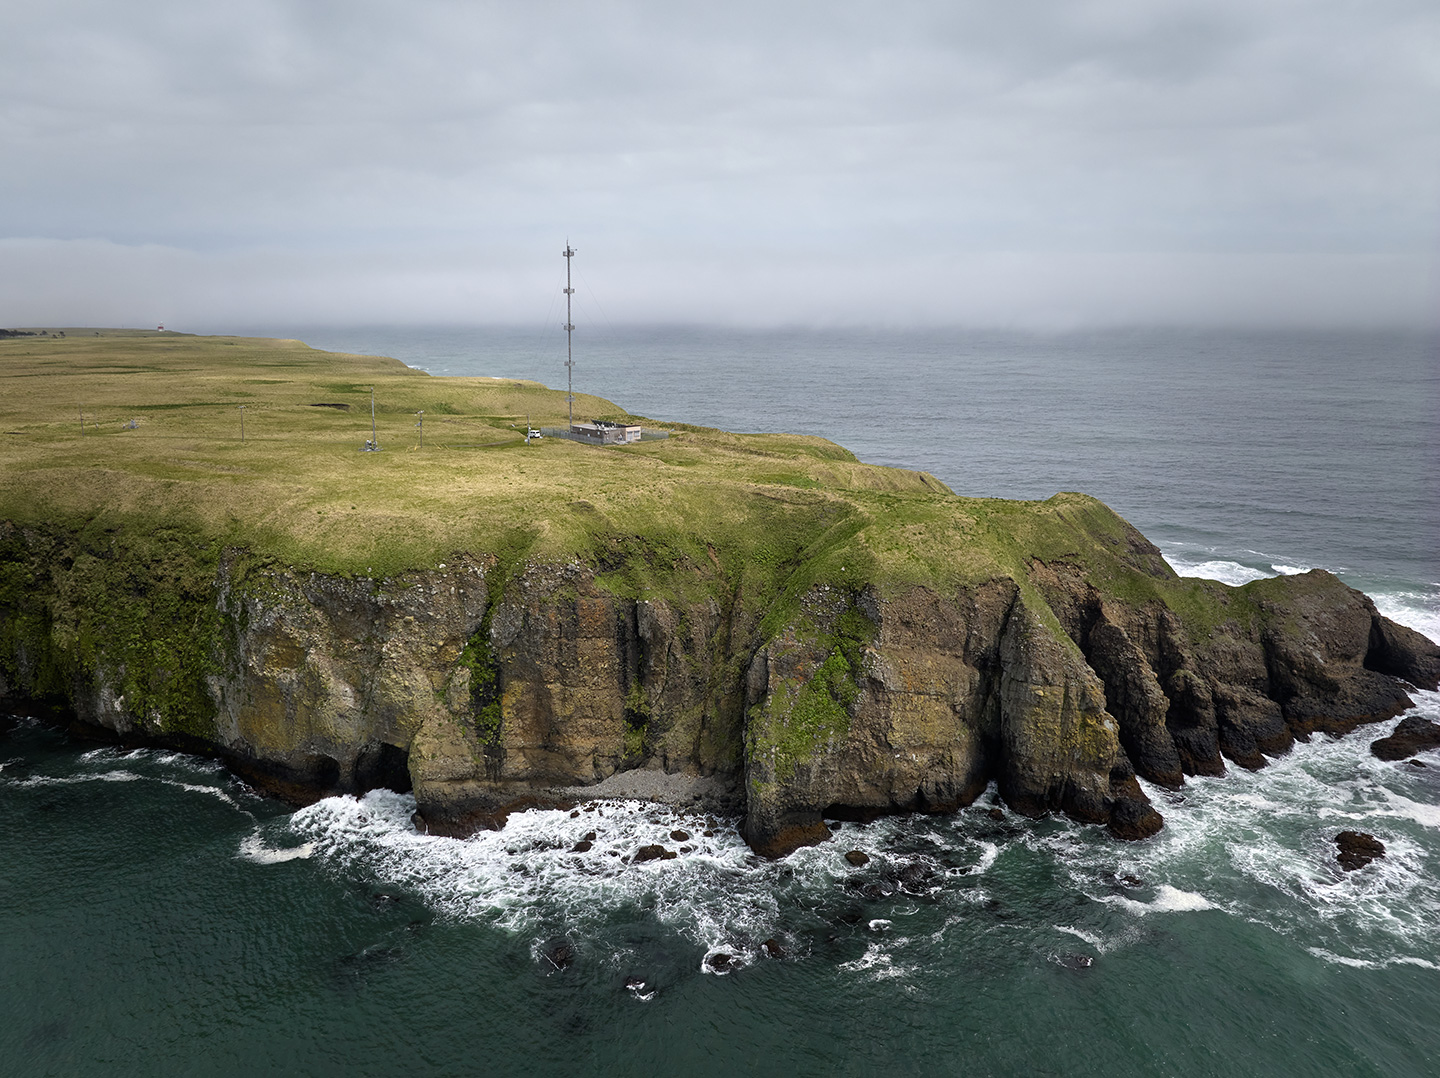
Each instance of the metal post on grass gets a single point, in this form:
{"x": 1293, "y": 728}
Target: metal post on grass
{"x": 374, "y": 441}
{"x": 421, "y": 427}
{"x": 82, "y": 419}
{"x": 242, "y": 422}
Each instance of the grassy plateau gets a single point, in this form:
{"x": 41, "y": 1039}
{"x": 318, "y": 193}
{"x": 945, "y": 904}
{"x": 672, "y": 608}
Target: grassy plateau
{"x": 769, "y": 514}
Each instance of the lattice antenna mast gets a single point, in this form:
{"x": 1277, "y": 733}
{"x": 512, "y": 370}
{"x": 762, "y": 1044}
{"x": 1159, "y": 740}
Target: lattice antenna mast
{"x": 569, "y": 337}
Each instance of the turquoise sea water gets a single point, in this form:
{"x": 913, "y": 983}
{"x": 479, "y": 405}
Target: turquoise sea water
{"x": 156, "y": 917}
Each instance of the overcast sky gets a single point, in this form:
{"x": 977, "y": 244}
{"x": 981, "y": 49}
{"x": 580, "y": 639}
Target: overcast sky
{"x": 994, "y": 162}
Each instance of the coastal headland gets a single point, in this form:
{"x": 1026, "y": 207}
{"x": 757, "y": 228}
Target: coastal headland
{"x": 759, "y": 621}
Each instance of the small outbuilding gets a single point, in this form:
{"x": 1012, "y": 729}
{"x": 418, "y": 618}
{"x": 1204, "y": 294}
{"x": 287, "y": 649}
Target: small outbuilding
{"x": 603, "y": 433}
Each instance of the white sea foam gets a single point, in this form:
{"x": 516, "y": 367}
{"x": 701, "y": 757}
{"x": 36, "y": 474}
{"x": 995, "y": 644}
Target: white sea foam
{"x": 1167, "y": 900}
{"x": 1342, "y": 960}
{"x": 1370, "y": 963}
{"x": 989, "y": 851}
{"x": 877, "y": 964}
{"x": 1091, "y": 938}
{"x": 75, "y": 780}
{"x": 714, "y": 891}
{"x": 734, "y": 959}
{"x": 253, "y": 848}
{"x": 1173, "y": 900}
{"x": 1398, "y": 805}
{"x": 1221, "y": 569}
{"x": 208, "y": 791}
{"x": 1418, "y": 610}
{"x": 1259, "y": 846}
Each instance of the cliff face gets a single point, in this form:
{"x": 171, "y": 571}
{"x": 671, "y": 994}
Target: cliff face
{"x": 484, "y": 688}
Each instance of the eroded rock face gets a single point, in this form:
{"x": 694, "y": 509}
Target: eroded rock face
{"x": 918, "y": 705}
{"x": 486, "y": 694}
{"x": 1312, "y": 656}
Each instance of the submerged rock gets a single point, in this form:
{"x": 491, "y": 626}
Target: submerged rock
{"x": 857, "y": 858}
{"x": 913, "y": 877}
{"x": 1357, "y": 849}
{"x": 560, "y": 955}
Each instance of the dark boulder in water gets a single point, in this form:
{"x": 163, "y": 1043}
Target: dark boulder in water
{"x": 583, "y": 846}
{"x": 1357, "y": 849}
{"x": 857, "y": 858}
{"x": 909, "y": 877}
{"x": 654, "y": 852}
{"x": 720, "y": 962}
{"x": 680, "y": 836}
{"x": 1413, "y": 735}
{"x": 773, "y": 948}
{"x": 1076, "y": 961}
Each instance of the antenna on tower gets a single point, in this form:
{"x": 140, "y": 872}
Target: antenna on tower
{"x": 569, "y": 338}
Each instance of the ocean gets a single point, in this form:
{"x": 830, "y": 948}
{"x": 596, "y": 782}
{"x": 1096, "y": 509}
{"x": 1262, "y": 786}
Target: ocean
{"x": 158, "y": 917}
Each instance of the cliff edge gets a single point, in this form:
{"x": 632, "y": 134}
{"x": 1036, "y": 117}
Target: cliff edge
{"x": 815, "y": 637}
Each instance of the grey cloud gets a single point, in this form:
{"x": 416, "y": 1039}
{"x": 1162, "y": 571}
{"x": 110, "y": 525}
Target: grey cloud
{"x": 762, "y": 138}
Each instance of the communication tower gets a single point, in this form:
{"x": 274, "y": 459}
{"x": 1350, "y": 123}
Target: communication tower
{"x": 569, "y": 337}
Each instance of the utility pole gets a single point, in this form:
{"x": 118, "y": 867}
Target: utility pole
{"x": 421, "y": 426}
{"x": 374, "y": 441}
{"x": 569, "y": 338}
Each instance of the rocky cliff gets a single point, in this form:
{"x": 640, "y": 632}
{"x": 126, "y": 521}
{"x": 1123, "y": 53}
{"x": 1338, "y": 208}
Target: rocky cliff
{"x": 483, "y": 685}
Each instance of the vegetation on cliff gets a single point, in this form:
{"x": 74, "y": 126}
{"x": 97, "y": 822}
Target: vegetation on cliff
{"x": 488, "y": 618}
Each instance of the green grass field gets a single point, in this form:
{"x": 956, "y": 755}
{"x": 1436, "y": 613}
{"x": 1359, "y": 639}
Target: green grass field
{"x": 768, "y": 513}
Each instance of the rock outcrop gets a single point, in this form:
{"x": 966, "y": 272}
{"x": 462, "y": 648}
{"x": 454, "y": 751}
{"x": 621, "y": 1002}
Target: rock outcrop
{"x": 1412, "y": 735}
{"x": 484, "y": 687}
{"x": 1356, "y": 849}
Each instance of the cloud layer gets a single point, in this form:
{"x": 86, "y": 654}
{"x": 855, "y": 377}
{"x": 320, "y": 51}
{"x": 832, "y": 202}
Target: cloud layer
{"x": 1035, "y": 162}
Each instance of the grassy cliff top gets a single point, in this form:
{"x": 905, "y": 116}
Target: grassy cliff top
{"x": 781, "y": 511}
